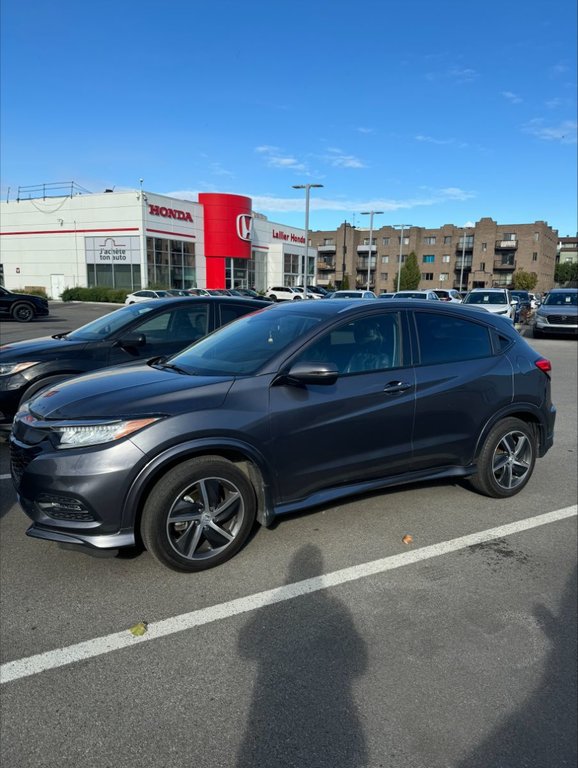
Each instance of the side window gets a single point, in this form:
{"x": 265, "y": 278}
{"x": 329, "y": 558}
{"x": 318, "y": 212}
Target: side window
{"x": 184, "y": 324}
{"x": 363, "y": 345}
{"x": 231, "y": 312}
{"x": 445, "y": 339}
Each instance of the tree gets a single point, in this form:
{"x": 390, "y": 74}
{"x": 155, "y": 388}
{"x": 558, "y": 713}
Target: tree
{"x": 524, "y": 281}
{"x": 410, "y": 274}
{"x": 566, "y": 273}
{"x": 345, "y": 282}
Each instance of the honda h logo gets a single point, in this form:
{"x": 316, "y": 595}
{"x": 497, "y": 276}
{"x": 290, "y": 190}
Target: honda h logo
{"x": 244, "y": 226}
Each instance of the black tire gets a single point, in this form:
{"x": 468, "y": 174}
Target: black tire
{"x": 507, "y": 459}
{"x": 22, "y": 312}
{"x": 273, "y": 297}
{"x": 35, "y": 388}
{"x": 199, "y": 515}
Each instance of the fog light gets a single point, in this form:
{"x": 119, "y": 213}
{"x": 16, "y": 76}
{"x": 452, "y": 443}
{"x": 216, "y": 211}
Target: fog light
{"x": 63, "y": 508}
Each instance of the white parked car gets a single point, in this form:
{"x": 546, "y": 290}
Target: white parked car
{"x": 284, "y": 293}
{"x": 448, "y": 294}
{"x": 354, "y": 295}
{"x": 425, "y": 295}
{"x": 495, "y": 300}
{"x": 146, "y": 295}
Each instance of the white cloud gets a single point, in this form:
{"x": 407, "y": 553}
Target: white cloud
{"x": 564, "y": 132}
{"x": 276, "y": 159}
{"x": 338, "y": 159}
{"x": 365, "y": 130}
{"x": 512, "y": 97}
{"x": 431, "y": 140}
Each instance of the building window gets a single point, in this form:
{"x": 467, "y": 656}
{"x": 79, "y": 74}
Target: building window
{"x": 535, "y": 256}
{"x": 430, "y": 240}
{"x": 536, "y": 236}
{"x": 509, "y": 236}
{"x": 482, "y": 266}
{"x": 366, "y": 241}
{"x": 405, "y": 240}
{"x": 447, "y": 239}
{"x": 386, "y": 241}
{"x": 468, "y": 242}
{"x": 385, "y": 259}
{"x": 444, "y": 277}
{"x": 446, "y": 258}
{"x": 384, "y": 275}
{"x": 428, "y": 259}
{"x": 484, "y": 247}
{"x": 170, "y": 263}
{"x": 427, "y": 275}
{"x": 291, "y": 268}
{"x": 328, "y": 241}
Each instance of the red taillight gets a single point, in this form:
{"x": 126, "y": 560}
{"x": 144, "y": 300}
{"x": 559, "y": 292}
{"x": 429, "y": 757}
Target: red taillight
{"x": 544, "y": 365}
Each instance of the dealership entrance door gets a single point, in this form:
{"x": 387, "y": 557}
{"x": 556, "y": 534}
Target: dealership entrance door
{"x": 57, "y": 286}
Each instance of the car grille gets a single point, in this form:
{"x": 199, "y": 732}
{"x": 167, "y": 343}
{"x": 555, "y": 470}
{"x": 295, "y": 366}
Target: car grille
{"x": 20, "y": 458}
{"x": 562, "y": 319}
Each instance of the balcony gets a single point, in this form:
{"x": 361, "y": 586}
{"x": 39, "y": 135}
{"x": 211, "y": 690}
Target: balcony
{"x": 508, "y": 245}
{"x": 467, "y": 265}
{"x": 469, "y": 245}
{"x": 362, "y": 264}
{"x": 324, "y": 265}
{"x": 507, "y": 265}
{"x": 326, "y": 248}
{"x": 365, "y": 248}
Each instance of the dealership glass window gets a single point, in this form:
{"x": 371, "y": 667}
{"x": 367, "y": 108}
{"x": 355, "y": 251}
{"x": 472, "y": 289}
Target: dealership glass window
{"x": 428, "y": 259}
{"x": 445, "y": 339}
{"x": 170, "y": 263}
{"x": 292, "y": 268}
{"x": 123, "y": 276}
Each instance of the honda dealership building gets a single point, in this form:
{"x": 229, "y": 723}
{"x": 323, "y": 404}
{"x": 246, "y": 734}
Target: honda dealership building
{"x": 136, "y": 239}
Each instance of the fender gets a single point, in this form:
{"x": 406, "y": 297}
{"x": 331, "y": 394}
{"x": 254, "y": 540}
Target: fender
{"x": 265, "y": 488}
{"x": 512, "y": 409}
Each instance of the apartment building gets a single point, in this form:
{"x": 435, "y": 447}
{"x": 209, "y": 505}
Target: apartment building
{"x": 485, "y": 255}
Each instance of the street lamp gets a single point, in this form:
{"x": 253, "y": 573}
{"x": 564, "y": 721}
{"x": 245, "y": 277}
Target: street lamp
{"x": 371, "y": 214}
{"x": 343, "y": 265}
{"x": 307, "y": 187}
{"x": 403, "y": 226}
{"x": 463, "y": 257}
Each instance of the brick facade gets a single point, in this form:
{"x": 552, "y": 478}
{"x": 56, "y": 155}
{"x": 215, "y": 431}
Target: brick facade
{"x": 492, "y": 253}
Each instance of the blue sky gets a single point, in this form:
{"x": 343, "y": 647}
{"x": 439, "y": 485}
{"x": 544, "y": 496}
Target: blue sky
{"x": 432, "y": 112}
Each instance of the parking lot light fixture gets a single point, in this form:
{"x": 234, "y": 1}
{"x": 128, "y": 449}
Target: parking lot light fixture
{"x": 307, "y": 188}
{"x": 402, "y": 226}
{"x": 371, "y": 214}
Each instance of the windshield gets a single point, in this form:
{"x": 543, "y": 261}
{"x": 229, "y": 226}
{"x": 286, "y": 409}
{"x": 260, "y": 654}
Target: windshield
{"x": 483, "y": 297}
{"x": 245, "y": 345}
{"x": 109, "y": 324}
{"x": 561, "y": 299}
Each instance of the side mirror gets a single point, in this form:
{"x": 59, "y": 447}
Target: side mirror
{"x": 132, "y": 340}
{"x": 312, "y": 373}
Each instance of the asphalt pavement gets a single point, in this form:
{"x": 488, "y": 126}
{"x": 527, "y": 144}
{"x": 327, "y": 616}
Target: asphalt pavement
{"x": 327, "y": 641}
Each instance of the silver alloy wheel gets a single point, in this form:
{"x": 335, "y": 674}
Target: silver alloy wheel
{"x": 205, "y": 519}
{"x": 512, "y": 459}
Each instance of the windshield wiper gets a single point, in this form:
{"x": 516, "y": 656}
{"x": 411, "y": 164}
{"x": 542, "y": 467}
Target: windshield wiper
{"x": 62, "y": 335}
{"x": 176, "y": 368}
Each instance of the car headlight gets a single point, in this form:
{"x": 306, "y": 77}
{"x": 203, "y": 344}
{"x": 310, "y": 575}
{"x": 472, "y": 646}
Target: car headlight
{"x": 7, "y": 369}
{"x": 78, "y": 435}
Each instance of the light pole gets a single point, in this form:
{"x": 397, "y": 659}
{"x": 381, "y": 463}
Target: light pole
{"x": 371, "y": 214}
{"x": 403, "y": 226}
{"x": 307, "y": 187}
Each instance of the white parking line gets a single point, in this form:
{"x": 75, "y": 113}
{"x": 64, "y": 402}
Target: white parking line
{"x": 4, "y": 477}
{"x": 33, "y": 665}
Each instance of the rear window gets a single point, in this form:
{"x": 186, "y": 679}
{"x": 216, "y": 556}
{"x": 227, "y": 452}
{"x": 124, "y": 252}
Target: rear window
{"x": 445, "y": 339}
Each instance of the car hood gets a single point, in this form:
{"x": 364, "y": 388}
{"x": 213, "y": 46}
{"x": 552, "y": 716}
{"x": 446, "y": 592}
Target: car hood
{"x": 494, "y": 308}
{"x": 43, "y": 348}
{"x": 570, "y": 310}
{"x": 130, "y": 391}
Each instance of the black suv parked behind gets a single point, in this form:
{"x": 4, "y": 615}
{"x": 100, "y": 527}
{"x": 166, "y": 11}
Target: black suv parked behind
{"x": 136, "y": 332}
{"x": 22, "y": 307}
{"x": 296, "y": 405}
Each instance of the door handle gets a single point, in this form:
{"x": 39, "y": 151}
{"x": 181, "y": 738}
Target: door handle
{"x": 396, "y": 386}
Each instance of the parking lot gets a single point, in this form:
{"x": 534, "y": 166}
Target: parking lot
{"x": 327, "y": 641}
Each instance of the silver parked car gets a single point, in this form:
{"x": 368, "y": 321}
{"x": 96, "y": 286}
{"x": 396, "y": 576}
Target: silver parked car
{"x": 558, "y": 314}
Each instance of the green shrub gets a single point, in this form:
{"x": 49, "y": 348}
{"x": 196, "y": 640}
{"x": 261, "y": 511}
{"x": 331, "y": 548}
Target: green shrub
{"x": 32, "y": 290}
{"x": 108, "y": 295}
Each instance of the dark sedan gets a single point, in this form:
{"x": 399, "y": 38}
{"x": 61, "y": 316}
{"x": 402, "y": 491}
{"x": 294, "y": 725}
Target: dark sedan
{"x": 294, "y": 406}
{"x": 136, "y": 332}
{"x": 22, "y": 307}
